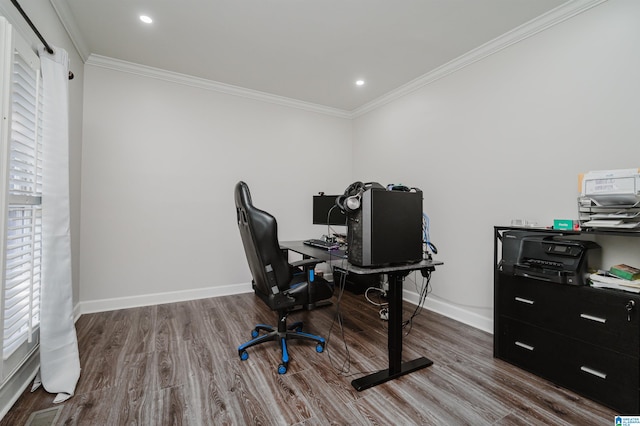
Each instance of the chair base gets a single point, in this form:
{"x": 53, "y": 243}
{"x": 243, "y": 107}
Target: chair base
{"x": 281, "y": 334}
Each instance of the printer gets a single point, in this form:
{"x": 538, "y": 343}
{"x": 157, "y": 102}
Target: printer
{"x": 548, "y": 257}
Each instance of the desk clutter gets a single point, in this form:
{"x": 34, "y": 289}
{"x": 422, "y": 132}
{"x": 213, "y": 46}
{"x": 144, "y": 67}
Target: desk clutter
{"x": 618, "y": 277}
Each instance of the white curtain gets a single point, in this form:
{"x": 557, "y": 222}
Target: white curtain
{"x": 59, "y": 358}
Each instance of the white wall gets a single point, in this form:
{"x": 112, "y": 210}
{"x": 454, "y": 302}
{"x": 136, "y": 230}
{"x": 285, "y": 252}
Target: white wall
{"x": 506, "y": 138}
{"x": 160, "y": 162}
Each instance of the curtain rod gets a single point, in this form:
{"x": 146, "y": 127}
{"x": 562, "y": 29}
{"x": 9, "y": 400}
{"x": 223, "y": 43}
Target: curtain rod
{"x": 35, "y": 30}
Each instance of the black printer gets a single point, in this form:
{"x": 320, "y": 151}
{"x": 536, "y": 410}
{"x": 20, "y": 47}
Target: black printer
{"x": 548, "y": 257}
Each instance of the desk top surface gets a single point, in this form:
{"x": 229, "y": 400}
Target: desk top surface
{"x": 342, "y": 263}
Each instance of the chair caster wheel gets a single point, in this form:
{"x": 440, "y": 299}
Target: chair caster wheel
{"x": 319, "y": 348}
{"x": 282, "y": 369}
{"x": 254, "y": 333}
{"x": 244, "y": 355}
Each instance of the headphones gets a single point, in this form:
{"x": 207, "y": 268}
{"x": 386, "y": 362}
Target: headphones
{"x": 350, "y": 200}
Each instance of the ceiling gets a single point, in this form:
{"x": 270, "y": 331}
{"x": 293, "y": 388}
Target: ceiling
{"x": 306, "y": 50}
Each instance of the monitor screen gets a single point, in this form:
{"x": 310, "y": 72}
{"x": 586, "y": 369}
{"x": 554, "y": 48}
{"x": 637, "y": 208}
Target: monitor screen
{"x": 322, "y": 204}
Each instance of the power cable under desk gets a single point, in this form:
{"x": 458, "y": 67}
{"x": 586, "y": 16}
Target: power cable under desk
{"x": 338, "y": 317}
{"x": 424, "y": 292}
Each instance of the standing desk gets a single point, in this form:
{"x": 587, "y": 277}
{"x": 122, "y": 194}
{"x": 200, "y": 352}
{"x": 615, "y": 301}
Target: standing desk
{"x": 396, "y": 275}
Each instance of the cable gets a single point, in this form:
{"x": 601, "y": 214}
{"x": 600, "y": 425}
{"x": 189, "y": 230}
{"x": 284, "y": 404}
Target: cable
{"x": 426, "y": 239}
{"x": 329, "y": 229}
{"x": 346, "y": 365}
{"x": 424, "y": 292}
{"x": 366, "y": 296}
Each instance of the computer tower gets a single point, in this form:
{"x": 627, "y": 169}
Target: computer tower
{"x": 386, "y": 228}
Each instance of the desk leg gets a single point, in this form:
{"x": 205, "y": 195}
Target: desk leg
{"x": 396, "y": 367}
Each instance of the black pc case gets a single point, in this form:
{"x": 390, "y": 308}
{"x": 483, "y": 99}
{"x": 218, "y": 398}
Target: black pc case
{"x": 386, "y": 229}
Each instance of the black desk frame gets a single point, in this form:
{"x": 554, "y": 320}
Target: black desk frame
{"x": 396, "y": 274}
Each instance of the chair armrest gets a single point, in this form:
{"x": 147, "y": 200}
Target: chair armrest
{"x": 306, "y": 263}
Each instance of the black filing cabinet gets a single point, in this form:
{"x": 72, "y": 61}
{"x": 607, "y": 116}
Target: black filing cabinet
{"x": 582, "y": 338}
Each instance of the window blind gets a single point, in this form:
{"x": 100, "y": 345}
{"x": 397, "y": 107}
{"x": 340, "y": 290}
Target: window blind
{"x": 23, "y": 226}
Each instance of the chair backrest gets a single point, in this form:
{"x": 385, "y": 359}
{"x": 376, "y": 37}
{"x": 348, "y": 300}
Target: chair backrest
{"x": 259, "y": 232}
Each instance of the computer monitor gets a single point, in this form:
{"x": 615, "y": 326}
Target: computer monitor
{"x": 322, "y": 205}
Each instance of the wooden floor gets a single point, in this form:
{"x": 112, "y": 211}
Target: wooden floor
{"x": 178, "y": 364}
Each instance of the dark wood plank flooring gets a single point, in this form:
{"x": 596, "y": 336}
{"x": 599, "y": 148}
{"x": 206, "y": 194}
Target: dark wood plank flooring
{"x": 177, "y": 364}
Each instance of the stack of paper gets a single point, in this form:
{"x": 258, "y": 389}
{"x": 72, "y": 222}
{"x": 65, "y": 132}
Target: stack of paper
{"x": 610, "y": 199}
{"x": 605, "y": 280}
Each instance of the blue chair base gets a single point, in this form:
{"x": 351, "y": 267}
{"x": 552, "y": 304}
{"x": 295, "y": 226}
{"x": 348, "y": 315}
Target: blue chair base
{"x": 281, "y": 334}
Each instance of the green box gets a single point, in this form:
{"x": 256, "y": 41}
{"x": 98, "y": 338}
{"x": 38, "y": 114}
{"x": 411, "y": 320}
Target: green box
{"x": 564, "y": 224}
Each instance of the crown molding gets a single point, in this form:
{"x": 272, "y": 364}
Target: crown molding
{"x": 201, "y": 83}
{"x": 524, "y": 31}
{"x": 68, "y": 21}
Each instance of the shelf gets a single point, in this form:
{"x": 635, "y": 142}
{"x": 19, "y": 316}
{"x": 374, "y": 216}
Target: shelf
{"x": 587, "y": 231}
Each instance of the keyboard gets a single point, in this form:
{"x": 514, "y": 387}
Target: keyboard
{"x": 321, "y": 244}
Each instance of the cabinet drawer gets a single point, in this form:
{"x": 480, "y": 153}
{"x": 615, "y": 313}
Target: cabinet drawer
{"x": 533, "y": 301}
{"x": 598, "y": 373}
{"x": 603, "y": 319}
{"x": 532, "y": 348}
{"x": 596, "y": 316}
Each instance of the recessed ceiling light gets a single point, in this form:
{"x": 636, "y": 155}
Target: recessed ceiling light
{"x": 146, "y": 19}
{"x": 359, "y": 82}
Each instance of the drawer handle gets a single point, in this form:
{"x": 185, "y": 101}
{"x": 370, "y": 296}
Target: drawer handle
{"x": 592, "y": 318}
{"x": 527, "y": 301}
{"x": 524, "y": 346}
{"x": 594, "y": 372}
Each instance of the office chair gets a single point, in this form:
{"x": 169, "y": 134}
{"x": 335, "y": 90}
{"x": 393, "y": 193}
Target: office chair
{"x": 282, "y": 286}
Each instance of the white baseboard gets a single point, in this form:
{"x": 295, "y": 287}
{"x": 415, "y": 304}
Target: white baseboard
{"x": 103, "y": 305}
{"x": 443, "y": 308}
{"x": 452, "y": 311}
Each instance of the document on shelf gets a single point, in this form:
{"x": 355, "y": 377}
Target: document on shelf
{"x": 607, "y": 182}
{"x": 603, "y": 223}
{"x": 607, "y": 281}
{"x": 616, "y": 215}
